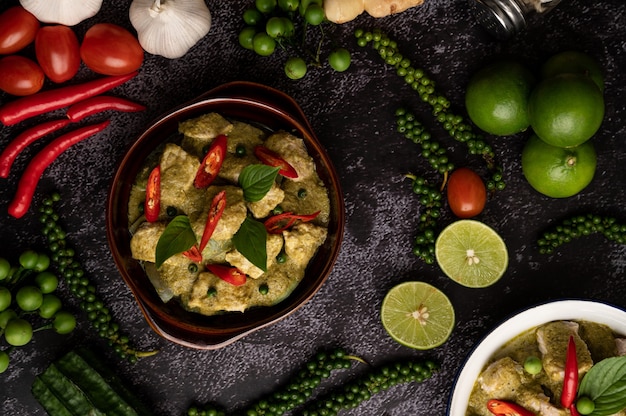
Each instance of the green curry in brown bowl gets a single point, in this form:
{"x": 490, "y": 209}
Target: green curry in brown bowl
{"x": 245, "y": 223}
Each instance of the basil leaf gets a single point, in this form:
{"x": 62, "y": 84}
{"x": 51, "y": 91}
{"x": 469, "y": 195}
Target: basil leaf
{"x": 177, "y": 237}
{"x": 251, "y": 241}
{"x": 256, "y": 181}
{"x": 605, "y": 384}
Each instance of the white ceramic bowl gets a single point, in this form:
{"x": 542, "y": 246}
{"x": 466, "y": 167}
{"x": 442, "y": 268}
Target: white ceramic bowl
{"x": 591, "y": 311}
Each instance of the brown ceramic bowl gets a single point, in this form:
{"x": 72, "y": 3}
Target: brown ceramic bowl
{"x": 248, "y": 102}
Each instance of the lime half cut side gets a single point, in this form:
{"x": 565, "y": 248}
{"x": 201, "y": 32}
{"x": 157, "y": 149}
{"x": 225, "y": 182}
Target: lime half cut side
{"x": 471, "y": 253}
{"x": 417, "y": 315}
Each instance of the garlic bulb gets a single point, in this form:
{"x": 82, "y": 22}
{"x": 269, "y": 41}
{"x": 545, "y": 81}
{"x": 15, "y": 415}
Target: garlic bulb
{"x": 169, "y": 27}
{"x": 64, "y": 12}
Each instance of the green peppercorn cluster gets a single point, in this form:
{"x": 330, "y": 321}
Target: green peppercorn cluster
{"x": 455, "y": 125}
{"x": 351, "y": 394}
{"x": 71, "y": 271}
{"x": 430, "y": 196}
{"x": 578, "y": 226}
{"x": 299, "y": 389}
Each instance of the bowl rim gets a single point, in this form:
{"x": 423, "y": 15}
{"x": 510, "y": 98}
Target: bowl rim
{"x": 563, "y": 309}
{"x": 288, "y": 114}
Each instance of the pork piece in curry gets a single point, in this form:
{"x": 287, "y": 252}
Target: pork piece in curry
{"x": 288, "y": 253}
{"x": 504, "y": 376}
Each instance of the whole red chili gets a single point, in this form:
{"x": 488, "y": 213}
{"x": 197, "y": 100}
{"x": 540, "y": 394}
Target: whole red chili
{"x": 211, "y": 163}
{"x": 273, "y": 159}
{"x": 570, "y": 377}
{"x": 505, "y": 408}
{"x": 23, "y": 108}
{"x": 30, "y": 178}
{"x": 100, "y": 103}
{"x": 281, "y": 222}
{"x": 232, "y": 275}
{"x": 28, "y": 136}
{"x": 215, "y": 213}
{"x": 152, "y": 204}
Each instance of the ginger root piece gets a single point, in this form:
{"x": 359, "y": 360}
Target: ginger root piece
{"x": 381, "y": 8}
{"x": 341, "y": 11}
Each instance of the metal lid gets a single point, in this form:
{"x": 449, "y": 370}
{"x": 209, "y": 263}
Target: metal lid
{"x": 502, "y": 18}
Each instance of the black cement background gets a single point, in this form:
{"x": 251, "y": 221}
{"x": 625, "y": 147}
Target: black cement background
{"x": 352, "y": 113}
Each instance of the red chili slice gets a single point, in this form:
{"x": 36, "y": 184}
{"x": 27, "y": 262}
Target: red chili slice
{"x": 212, "y": 163}
{"x": 194, "y": 254}
{"x": 504, "y": 408}
{"x": 570, "y": 377}
{"x": 281, "y": 222}
{"x": 215, "y": 213}
{"x": 232, "y": 275}
{"x": 152, "y": 205}
{"x": 273, "y": 159}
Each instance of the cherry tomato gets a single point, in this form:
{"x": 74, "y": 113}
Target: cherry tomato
{"x": 110, "y": 49}
{"x": 18, "y": 28}
{"x": 58, "y": 53}
{"x": 20, "y": 75}
{"x": 467, "y": 193}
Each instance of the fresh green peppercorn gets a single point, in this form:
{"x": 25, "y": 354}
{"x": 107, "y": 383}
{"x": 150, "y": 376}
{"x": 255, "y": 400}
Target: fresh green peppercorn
{"x": 264, "y": 289}
{"x": 171, "y": 211}
{"x": 211, "y": 292}
{"x": 240, "y": 150}
{"x": 281, "y": 257}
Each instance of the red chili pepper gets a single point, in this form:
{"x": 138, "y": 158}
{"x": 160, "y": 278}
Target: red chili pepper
{"x": 193, "y": 254}
{"x": 24, "y": 139}
{"x": 281, "y": 222}
{"x": 215, "y": 213}
{"x": 212, "y": 163}
{"x": 232, "y": 275}
{"x": 152, "y": 204}
{"x": 570, "y": 377}
{"x": 100, "y": 103}
{"x": 273, "y": 159}
{"x": 573, "y": 411}
{"x": 504, "y": 408}
{"x": 28, "y": 182}
{"x": 32, "y": 105}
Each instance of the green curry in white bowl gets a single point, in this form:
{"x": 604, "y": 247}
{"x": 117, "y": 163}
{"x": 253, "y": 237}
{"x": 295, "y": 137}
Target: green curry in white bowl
{"x": 545, "y": 361}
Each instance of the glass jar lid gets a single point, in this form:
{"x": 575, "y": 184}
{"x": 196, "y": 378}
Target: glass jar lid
{"x": 501, "y": 18}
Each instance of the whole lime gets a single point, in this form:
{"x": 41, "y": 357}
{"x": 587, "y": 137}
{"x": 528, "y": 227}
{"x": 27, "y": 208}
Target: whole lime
{"x": 558, "y": 172}
{"x": 496, "y": 98}
{"x": 573, "y": 62}
{"x": 566, "y": 110}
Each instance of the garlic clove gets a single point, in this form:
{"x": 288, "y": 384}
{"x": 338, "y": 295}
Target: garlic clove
{"x": 65, "y": 12}
{"x": 169, "y": 27}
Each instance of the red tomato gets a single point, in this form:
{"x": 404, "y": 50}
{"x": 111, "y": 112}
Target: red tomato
{"x": 110, "y": 49}
{"x": 58, "y": 52}
{"x": 467, "y": 193}
{"x": 20, "y": 75}
{"x": 18, "y": 28}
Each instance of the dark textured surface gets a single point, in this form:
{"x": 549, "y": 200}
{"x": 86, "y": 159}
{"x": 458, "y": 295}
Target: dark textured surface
{"x": 352, "y": 113}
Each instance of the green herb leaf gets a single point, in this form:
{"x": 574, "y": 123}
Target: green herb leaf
{"x": 251, "y": 241}
{"x": 256, "y": 181}
{"x": 605, "y": 384}
{"x": 177, "y": 237}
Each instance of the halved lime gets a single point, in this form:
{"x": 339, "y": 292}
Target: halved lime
{"x": 471, "y": 253}
{"x": 417, "y": 315}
